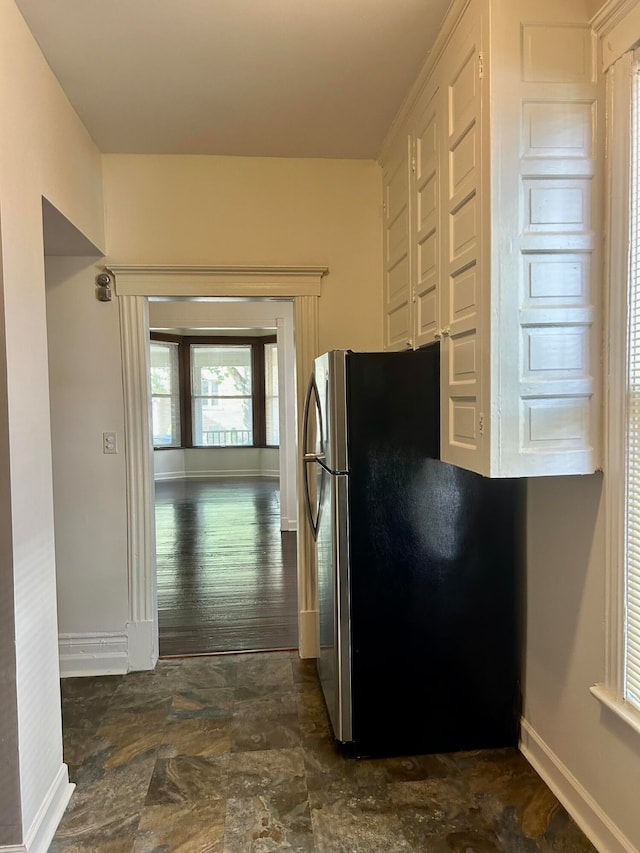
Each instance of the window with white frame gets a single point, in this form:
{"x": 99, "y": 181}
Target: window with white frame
{"x": 165, "y": 394}
{"x": 621, "y": 689}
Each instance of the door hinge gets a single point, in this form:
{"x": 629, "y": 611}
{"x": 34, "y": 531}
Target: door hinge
{"x": 481, "y": 424}
{"x": 413, "y": 164}
{"x": 481, "y": 65}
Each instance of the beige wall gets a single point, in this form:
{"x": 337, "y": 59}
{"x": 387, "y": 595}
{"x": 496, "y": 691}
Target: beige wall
{"x": 44, "y": 151}
{"x": 190, "y": 211}
{"x": 88, "y": 486}
{"x": 245, "y": 210}
{"x": 565, "y": 646}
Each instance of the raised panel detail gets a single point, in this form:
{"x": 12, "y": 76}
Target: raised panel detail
{"x": 556, "y": 205}
{"x": 560, "y": 351}
{"x": 462, "y": 92}
{"x": 397, "y": 189}
{"x": 557, "y": 129}
{"x": 463, "y": 160}
{"x": 556, "y": 53}
{"x": 463, "y": 359}
{"x": 463, "y": 228}
{"x": 555, "y": 422}
{"x": 427, "y": 311}
{"x": 464, "y": 295}
{"x": 398, "y": 324}
{"x": 557, "y": 279}
{"x": 427, "y": 201}
{"x": 427, "y": 256}
{"x": 462, "y": 422}
{"x": 398, "y": 279}
{"x": 397, "y": 239}
{"x": 427, "y": 143}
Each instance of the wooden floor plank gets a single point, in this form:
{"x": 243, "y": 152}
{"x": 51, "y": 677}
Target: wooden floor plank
{"x": 226, "y": 574}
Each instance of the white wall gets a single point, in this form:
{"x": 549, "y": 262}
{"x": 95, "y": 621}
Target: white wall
{"x": 196, "y": 463}
{"x": 44, "y": 151}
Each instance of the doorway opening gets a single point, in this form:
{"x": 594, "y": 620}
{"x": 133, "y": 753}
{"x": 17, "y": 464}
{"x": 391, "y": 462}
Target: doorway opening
{"x": 135, "y": 286}
{"x": 223, "y": 396}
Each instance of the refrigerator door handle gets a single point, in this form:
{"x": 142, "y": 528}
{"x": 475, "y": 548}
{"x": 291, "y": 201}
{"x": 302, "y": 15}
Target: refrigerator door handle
{"x": 314, "y": 457}
{"x": 311, "y": 456}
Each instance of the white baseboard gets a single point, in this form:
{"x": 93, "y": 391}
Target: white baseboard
{"x": 209, "y": 475}
{"x": 103, "y": 653}
{"x": 591, "y": 819}
{"x": 289, "y": 524}
{"x": 142, "y": 645}
{"x": 308, "y": 633}
{"x": 43, "y": 828}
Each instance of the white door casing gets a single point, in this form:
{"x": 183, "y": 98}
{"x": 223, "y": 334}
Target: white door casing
{"x": 133, "y": 286}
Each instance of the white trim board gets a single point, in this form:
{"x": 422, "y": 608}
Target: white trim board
{"x": 103, "y": 653}
{"x": 251, "y": 281}
{"x": 213, "y": 475}
{"x": 49, "y": 815}
{"x": 591, "y": 819}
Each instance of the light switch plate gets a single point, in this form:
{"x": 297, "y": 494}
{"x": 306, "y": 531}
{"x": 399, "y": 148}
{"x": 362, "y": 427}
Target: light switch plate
{"x": 109, "y": 442}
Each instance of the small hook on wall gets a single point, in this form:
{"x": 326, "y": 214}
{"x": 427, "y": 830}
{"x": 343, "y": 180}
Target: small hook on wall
{"x": 103, "y": 289}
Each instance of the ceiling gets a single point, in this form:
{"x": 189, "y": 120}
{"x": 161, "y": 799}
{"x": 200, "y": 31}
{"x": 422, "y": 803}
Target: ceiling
{"x": 276, "y": 78}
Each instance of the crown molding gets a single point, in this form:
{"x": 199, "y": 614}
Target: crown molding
{"x": 223, "y": 280}
{"x": 455, "y": 12}
{"x": 617, "y": 25}
{"x": 610, "y": 14}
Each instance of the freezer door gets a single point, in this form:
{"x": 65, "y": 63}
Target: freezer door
{"x": 334, "y": 663}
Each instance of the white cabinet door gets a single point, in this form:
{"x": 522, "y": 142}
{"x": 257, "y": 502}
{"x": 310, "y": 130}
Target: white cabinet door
{"x": 493, "y": 236}
{"x": 425, "y": 195}
{"x": 463, "y": 256}
{"x": 546, "y": 191}
{"x": 397, "y": 282}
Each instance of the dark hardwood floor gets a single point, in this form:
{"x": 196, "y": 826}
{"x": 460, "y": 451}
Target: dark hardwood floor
{"x": 226, "y": 574}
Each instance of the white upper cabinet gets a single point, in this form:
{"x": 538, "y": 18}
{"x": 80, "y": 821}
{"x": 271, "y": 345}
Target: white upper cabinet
{"x": 501, "y": 229}
{"x": 395, "y": 183}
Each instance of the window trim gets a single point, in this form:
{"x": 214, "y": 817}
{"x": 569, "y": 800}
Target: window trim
{"x": 171, "y": 339}
{"x": 264, "y": 386}
{"x": 611, "y": 691}
{"x": 256, "y": 342}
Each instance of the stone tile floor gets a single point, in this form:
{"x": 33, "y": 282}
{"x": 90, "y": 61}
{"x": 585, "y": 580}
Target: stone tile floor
{"x": 234, "y": 754}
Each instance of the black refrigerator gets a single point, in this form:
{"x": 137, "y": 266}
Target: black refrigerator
{"x": 419, "y": 578}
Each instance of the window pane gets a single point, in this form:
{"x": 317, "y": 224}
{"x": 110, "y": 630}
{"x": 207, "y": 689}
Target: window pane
{"x": 271, "y": 394}
{"x": 162, "y": 368}
{"x": 221, "y": 395}
{"x": 223, "y": 371}
{"x": 166, "y": 429}
{"x": 228, "y": 422}
{"x": 165, "y": 394}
